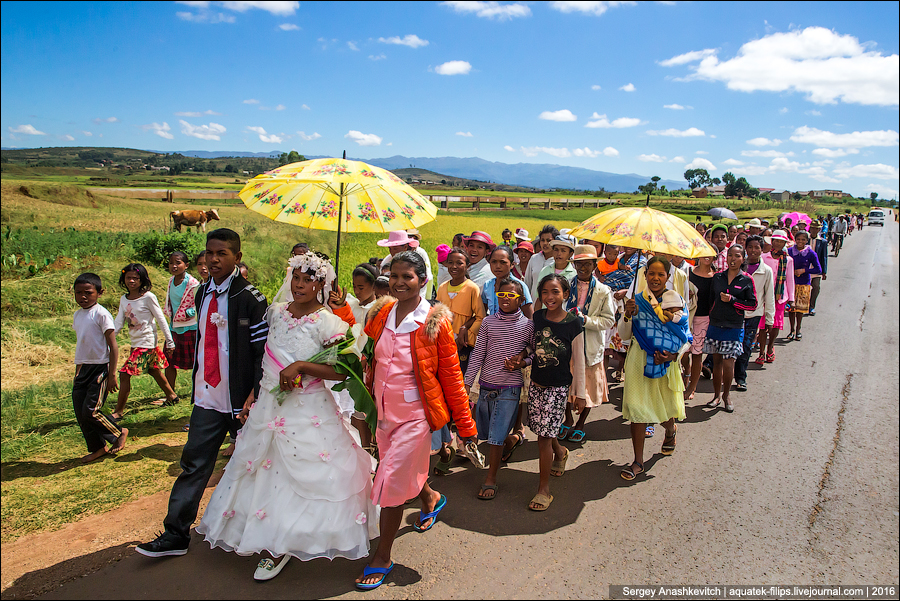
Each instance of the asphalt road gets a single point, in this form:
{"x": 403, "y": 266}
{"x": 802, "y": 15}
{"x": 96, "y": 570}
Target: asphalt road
{"x": 798, "y": 486}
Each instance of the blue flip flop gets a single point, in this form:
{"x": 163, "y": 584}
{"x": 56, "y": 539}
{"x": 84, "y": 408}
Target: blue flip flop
{"x": 430, "y": 516}
{"x": 368, "y": 571}
{"x": 576, "y": 436}
{"x": 563, "y": 432}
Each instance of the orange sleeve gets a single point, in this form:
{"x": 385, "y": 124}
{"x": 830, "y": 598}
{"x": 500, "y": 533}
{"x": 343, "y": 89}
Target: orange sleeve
{"x": 345, "y": 313}
{"x": 451, "y": 380}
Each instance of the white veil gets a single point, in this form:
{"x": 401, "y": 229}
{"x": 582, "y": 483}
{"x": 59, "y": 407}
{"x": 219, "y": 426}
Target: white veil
{"x": 320, "y": 268}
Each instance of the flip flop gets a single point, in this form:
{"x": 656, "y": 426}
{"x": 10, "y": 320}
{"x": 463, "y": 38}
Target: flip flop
{"x": 442, "y": 468}
{"x": 520, "y": 440}
{"x": 430, "y": 516}
{"x": 563, "y": 432}
{"x": 576, "y": 436}
{"x": 559, "y": 466}
{"x": 629, "y": 474}
{"x": 760, "y": 360}
{"x": 770, "y": 358}
{"x": 368, "y": 571}
{"x": 485, "y": 487}
{"x": 543, "y": 501}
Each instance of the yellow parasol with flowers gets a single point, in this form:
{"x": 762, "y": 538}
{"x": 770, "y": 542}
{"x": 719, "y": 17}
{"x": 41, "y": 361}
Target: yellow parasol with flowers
{"x": 645, "y": 229}
{"x": 337, "y": 195}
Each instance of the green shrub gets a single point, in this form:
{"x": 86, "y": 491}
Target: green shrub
{"x": 154, "y": 248}
{"x": 27, "y": 251}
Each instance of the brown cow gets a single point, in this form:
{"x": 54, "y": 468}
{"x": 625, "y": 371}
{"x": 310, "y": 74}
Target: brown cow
{"x": 193, "y": 218}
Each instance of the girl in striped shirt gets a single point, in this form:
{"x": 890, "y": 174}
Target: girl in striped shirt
{"x": 506, "y": 333}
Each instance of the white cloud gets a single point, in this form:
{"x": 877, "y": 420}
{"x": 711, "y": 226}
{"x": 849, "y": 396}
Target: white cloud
{"x": 411, "y": 40}
{"x": 309, "y": 137}
{"x": 27, "y": 129}
{"x": 764, "y": 142}
{"x": 87, "y": 133}
{"x": 278, "y": 8}
{"x": 268, "y": 139}
{"x": 700, "y": 164}
{"x": 205, "y": 16}
{"x": 628, "y": 87}
{"x": 491, "y": 10}
{"x": 189, "y": 114}
{"x": 67, "y": 137}
{"x": 676, "y": 133}
{"x": 622, "y": 122}
{"x": 588, "y": 8}
{"x": 678, "y": 159}
{"x": 836, "y": 153}
{"x": 289, "y": 27}
{"x": 251, "y": 101}
{"x": 280, "y": 107}
{"x": 533, "y": 151}
{"x": 561, "y": 115}
{"x": 688, "y": 57}
{"x": 305, "y": 107}
{"x": 509, "y": 148}
{"x": 595, "y": 87}
{"x": 701, "y": 152}
{"x": 353, "y": 46}
{"x": 674, "y": 107}
{"x": 213, "y": 131}
{"x": 814, "y": 113}
{"x": 378, "y": 57}
{"x": 783, "y": 110}
{"x": 464, "y": 134}
{"x": 765, "y": 153}
{"x": 651, "y": 158}
{"x": 857, "y": 139}
{"x": 749, "y": 170}
{"x": 883, "y": 191}
{"x": 876, "y": 171}
{"x": 733, "y": 163}
{"x": 820, "y": 63}
{"x": 160, "y": 130}
{"x": 100, "y": 120}
{"x": 363, "y": 139}
{"x": 453, "y": 68}
{"x": 587, "y": 152}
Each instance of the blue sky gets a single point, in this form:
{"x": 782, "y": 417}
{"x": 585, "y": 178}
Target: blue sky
{"x": 789, "y": 94}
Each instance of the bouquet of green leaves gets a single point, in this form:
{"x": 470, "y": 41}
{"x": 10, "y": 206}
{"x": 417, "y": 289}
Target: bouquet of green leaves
{"x": 344, "y": 357}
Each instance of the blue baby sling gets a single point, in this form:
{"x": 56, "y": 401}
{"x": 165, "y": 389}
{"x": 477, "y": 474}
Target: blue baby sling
{"x": 654, "y": 335}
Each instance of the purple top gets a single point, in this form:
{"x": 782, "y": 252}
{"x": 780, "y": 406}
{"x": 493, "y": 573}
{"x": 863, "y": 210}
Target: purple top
{"x": 805, "y": 259}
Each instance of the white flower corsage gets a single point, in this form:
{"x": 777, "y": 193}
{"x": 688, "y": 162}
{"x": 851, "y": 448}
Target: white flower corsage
{"x": 261, "y": 514}
{"x": 218, "y": 320}
{"x": 361, "y": 518}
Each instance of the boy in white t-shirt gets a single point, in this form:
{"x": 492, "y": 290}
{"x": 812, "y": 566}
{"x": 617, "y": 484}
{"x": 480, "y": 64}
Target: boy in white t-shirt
{"x": 96, "y": 357}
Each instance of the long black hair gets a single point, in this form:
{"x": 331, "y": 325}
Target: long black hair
{"x": 563, "y": 283}
{"x": 146, "y": 284}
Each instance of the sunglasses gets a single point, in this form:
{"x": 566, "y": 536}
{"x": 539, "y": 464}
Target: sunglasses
{"x": 508, "y": 295}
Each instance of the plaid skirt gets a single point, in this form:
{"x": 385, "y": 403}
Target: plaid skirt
{"x": 185, "y": 345}
{"x": 142, "y": 360}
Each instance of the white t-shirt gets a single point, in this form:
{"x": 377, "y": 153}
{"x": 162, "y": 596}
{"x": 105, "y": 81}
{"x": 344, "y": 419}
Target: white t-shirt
{"x": 90, "y": 327}
{"x": 141, "y": 314}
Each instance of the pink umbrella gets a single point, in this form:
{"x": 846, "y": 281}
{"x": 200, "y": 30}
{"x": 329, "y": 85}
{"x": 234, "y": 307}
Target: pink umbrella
{"x": 796, "y": 218}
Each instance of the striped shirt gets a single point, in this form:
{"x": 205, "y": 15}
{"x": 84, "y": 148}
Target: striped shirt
{"x": 506, "y": 335}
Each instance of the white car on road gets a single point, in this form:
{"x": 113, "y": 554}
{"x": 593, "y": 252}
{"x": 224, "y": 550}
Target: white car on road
{"x": 876, "y": 217}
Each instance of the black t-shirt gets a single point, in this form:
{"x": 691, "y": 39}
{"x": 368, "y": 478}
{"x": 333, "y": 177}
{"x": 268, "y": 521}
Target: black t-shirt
{"x": 704, "y": 285}
{"x": 553, "y": 349}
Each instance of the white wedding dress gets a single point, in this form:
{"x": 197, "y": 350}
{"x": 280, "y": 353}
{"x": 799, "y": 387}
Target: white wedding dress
{"x": 298, "y": 483}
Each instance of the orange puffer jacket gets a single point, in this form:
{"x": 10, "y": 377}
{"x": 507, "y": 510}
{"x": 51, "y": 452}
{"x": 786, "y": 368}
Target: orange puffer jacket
{"x": 436, "y": 366}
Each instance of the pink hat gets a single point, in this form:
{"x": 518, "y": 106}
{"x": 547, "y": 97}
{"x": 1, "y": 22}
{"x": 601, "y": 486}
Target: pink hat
{"x": 480, "y": 237}
{"x": 524, "y": 245}
{"x": 443, "y": 251}
{"x": 398, "y": 238}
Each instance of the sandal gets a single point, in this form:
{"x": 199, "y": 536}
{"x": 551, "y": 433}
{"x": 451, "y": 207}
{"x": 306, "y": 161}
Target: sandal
{"x": 520, "y": 440}
{"x": 714, "y": 403}
{"x": 760, "y": 360}
{"x": 424, "y": 517}
{"x": 799, "y": 336}
{"x": 790, "y": 336}
{"x": 770, "y": 358}
{"x": 576, "y": 436}
{"x": 486, "y": 487}
{"x": 540, "y": 502}
{"x": 668, "y": 446}
{"x": 368, "y": 571}
{"x": 629, "y": 474}
{"x": 558, "y": 468}
{"x": 729, "y": 406}
{"x": 563, "y": 432}
{"x": 443, "y": 467}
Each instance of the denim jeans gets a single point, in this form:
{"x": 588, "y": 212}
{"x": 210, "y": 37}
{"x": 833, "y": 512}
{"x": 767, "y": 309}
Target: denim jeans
{"x": 751, "y": 326}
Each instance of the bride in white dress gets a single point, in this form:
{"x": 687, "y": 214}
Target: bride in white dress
{"x": 298, "y": 484}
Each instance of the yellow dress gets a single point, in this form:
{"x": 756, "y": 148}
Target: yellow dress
{"x": 650, "y": 400}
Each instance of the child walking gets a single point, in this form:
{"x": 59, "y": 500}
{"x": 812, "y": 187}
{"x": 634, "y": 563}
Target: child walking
{"x": 181, "y": 310}
{"x": 140, "y": 308}
{"x": 558, "y": 364}
{"x": 506, "y": 333}
{"x": 96, "y": 357}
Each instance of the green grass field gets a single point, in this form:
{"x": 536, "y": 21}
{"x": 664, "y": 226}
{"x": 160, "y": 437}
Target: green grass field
{"x": 51, "y": 232}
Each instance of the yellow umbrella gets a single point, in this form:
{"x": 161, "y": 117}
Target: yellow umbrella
{"x": 645, "y": 229}
{"x": 313, "y": 194}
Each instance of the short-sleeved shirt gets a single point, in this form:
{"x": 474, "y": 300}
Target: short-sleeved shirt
{"x": 553, "y": 349}
{"x": 489, "y": 295}
{"x": 90, "y": 327}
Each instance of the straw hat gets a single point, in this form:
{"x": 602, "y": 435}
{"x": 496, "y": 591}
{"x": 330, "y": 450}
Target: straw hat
{"x": 564, "y": 240}
{"x": 585, "y": 252}
{"x": 398, "y": 238}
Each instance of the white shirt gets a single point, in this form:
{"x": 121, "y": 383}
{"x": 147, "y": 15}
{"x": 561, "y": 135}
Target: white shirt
{"x": 141, "y": 314}
{"x": 535, "y": 265}
{"x": 205, "y": 396}
{"x": 386, "y": 262}
{"x": 480, "y": 273}
{"x": 91, "y": 326}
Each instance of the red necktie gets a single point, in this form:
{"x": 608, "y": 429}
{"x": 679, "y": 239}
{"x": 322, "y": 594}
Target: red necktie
{"x": 211, "y": 346}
